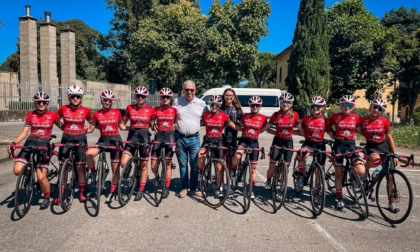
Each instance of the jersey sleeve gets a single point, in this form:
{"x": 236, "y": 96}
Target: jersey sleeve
{"x": 60, "y": 112}
{"x": 28, "y": 120}
{"x": 88, "y": 115}
{"x": 119, "y": 117}
{"x": 94, "y": 119}
{"x": 330, "y": 122}
{"x": 387, "y": 128}
{"x": 273, "y": 119}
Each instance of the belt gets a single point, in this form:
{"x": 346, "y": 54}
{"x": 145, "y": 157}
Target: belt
{"x": 187, "y": 136}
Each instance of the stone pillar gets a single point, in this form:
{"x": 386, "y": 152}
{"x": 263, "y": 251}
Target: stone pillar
{"x": 68, "y": 57}
{"x": 48, "y": 45}
{"x": 28, "y": 53}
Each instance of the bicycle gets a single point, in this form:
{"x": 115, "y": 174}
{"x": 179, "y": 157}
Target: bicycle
{"x": 317, "y": 190}
{"x": 68, "y": 176}
{"x": 27, "y": 179}
{"x": 212, "y": 182}
{"x": 351, "y": 180}
{"x": 245, "y": 175}
{"x": 391, "y": 184}
{"x": 99, "y": 175}
{"x": 160, "y": 179}
{"x": 130, "y": 174}
{"x": 279, "y": 179}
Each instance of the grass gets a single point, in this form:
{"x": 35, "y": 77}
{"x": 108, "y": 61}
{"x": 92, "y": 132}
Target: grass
{"x": 402, "y": 135}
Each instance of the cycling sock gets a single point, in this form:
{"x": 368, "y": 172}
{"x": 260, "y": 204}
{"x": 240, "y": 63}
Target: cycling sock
{"x": 113, "y": 186}
{"x": 47, "y": 194}
{"x": 253, "y": 183}
{"x": 316, "y": 189}
{"x": 82, "y": 187}
{"x": 300, "y": 169}
{"x": 269, "y": 178}
{"x": 391, "y": 199}
{"x": 142, "y": 185}
{"x": 92, "y": 168}
{"x": 168, "y": 182}
{"x": 201, "y": 168}
{"x": 339, "y": 194}
{"x": 234, "y": 166}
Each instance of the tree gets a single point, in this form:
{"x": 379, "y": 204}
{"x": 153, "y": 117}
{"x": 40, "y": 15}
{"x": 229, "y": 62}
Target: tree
{"x": 358, "y": 47}
{"x": 266, "y": 68}
{"x": 405, "y": 21}
{"x": 309, "y": 60}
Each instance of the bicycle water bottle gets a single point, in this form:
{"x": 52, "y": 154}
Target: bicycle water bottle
{"x": 305, "y": 171}
{"x": 375, "y": 173}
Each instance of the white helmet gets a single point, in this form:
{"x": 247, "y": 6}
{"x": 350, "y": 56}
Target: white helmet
{"x": 287, "y": 97}
{"x": 379, "y": 103}
{"x": 318, "y": 100}
{"x": 141, "y": 91}
{"x": 75, "y": 90}
{"x": 166, "y": 92}
{"x": 348, "y": 99}
{"x": 107, "y": 94}
{"x": 215, "y": 99}
{"x": 41, "y": 96}
{"x": 255, "y": 100}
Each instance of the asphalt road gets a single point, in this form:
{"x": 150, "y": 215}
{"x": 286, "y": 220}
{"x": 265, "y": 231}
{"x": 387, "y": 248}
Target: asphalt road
{"x": 188, "y": 224}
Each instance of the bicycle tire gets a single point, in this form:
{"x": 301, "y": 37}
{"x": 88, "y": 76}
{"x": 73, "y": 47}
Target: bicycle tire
{"x": 317, "y": 194}
{"x": 358, "y": 192}
{"x": 52, "y": 174}
{"x": 330, "y": 175}
{"x": 128, "y": 181}
{"x": 99, "y": 176}
{"x": 295, "y": 176}
{"x": 209, "y": 184}
{"x": 67, "y": 185}
{"x": 247, "y": 181}
{"x": 160, "y": 180}
{"x": 404, "y": 199}
{"x": 279, "y": 185}
{"x": 24, "y": 190}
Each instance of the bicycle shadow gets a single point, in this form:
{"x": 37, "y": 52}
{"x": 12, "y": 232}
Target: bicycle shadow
{"x": 261, "y": 199}
{"x": 9, "y": 200}
{"x": 293, "y": 204}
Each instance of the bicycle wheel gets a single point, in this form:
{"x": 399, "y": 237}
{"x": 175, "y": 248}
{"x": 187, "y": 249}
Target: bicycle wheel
{"x": 52, "y": 174}
{"x": 67, "y": 185}
{"x": 394, "y": 186}
{"x": 317, "y": 190}
{"x": 215, "y": 188}
{"x": 128, "y": 181}
{"x": 356, "y": 187}
{"x": 160, "y": 180}
{"x": 279, "y": 185}
{"x": 24, "y": 190}
{"x": 247, "y": 182}
{"x": 330, "y": 175}
{"x": 98, "y": 184}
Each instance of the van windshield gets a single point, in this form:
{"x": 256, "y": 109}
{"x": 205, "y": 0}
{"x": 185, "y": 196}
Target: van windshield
{"x": 268, "y": 101}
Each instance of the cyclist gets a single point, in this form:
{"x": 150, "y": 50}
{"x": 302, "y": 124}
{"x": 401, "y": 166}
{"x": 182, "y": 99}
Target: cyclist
{"x": 252, "y": 125}
{"x": 141, "y": 118}
{"x": 40, "y": 122}
{"x": 285, "y": 120}
{"x": 377, "y": 132}
{"x": 231, "y": 107}
{"x": 345, "y": 124}
{"x": 74, "y": 116}
{"x": 108, "y": 120}
{"x": 313, "y": 128}
{"x": 165, "y": 121}
{"x": 214, "y": 121}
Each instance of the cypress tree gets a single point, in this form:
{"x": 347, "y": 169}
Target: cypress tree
{"x": 309, "y": 73}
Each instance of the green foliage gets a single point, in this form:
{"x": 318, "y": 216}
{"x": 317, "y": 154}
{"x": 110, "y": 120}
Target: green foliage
{"x": 309, "y": 60}
{"x": 405, "y": 21}
{"x": 251, "y": 84}
{"x": 405, "y": 135}
{"x": 4, "y": 67}
{"x": 266, "y": 68}
{"x": 416, "y": 119}
{"x": 358, "y": 48}
{"x": 362, "y": 112}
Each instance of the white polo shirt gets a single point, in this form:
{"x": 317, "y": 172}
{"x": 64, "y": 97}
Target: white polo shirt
{"x": 188, "y": 115}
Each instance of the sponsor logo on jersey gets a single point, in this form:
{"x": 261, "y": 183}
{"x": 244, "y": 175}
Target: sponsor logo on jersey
{"x": 74, "y": 127}
{"x": 139, "y": 124}
{"x": 47, "y": 117}
{"x": 109, "y": 128}
{"x": 146, "y": 110}
{"x": 112, "y": 113}
{"x": 219, "y": 117}
{"x": 315, "y": 135}
{"x": 379, "y": 121}
{"x": 40, "y": 132}
{"x": 285, "y": 132}
{"x": 346, "y": 133}
{"x": 214, "y": 131}
{"x": 251, "y": 131}
{"x": 165, "y": 124}
{"x": 374, "y": 137}
{"x": 170, "y": 110}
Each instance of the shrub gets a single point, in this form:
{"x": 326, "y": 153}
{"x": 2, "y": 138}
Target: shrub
{"x": 416, "y": 118}
{"x": 362, "y": 112}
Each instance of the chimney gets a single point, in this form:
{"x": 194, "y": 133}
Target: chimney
{"x": 28, "y": 10}
{"x": 47, "y": 15}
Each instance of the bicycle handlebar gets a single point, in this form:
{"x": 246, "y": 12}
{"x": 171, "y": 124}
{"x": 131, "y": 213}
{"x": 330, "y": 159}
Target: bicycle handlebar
{"x": 29, "y": 147}
{"x": 283, "y": 148}
{"x": 102, "y": 146}
{"x": 214, "y": 147}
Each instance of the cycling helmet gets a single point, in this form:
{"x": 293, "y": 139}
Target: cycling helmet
{"x": 318, "y": 100}
{"x": 255, "y": 100}
{"x": 75, "y": 90}
{"x": 379, "y": 103}
{"x": 141, "y": 91}
{"x": 107, "y": 94}
{"x": 166, "y": 92}
{"x": 41, "y": 96}
{"x": 348, "y": 99}
{"x": 287, "y": 97}
{"x": 215, "y": 99}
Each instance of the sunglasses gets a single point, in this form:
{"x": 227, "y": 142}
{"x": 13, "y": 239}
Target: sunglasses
{"x": 141, "y": 96}
{"x": 214, "y": 105}
{"x": 165, "y": 97}
{"x": 42, "y": 103}
{"x": 377, "y": 108}
{"x": 107, "y": 100}
{"x": 347, "y": 105}
{"x": 316, "y": 106}
{"x": 189, "y": 90}
{"x": 255, "y": 106}
{"x": 75, "y": 97}
{"x": 285, "y": 102}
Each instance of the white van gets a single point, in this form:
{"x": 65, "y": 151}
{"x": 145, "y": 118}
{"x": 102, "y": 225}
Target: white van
{"x": 270, "y": 97}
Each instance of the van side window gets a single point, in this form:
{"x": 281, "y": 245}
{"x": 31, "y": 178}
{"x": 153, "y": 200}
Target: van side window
{"x": 268, "y": 101}
{"x": 206, "y": 99}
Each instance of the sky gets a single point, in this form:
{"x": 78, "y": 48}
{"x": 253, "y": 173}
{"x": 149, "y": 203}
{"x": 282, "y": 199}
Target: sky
{"x": 281, "y": 23}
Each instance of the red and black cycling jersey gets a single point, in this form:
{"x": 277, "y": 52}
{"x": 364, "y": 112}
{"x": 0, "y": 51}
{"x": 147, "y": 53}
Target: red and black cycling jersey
{"x": 284, "y": 123}
{"x": 139, "y": 117}
{"x": 215, "y": 123}
{"x": 107, "y": 121}
{"x": 41, "y": 124}
{"x": 375, "y": 129}
{"x": 165, "y": 117}
{"x": 74, "y": 119}
{"x": 314, "y": 128}
{"x": 345, "y": 125}
{"x": 252, "y": 124}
